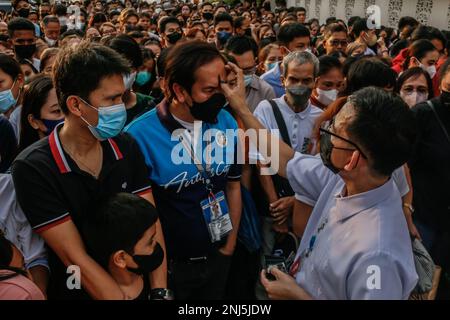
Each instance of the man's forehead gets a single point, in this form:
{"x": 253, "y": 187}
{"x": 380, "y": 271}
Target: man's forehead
{"x": 208, "y": 74}
{"x": 296, "y": 69}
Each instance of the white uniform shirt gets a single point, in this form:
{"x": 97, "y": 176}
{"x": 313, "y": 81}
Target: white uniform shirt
{"x": 299, "y": 125}
{"x": 363, "y": 249}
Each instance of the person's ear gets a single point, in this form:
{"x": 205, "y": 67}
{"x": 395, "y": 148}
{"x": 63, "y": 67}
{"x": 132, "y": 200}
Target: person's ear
{"x": 284, "y": 51}
{"x": 180, "y": 93}
{"x": 414, "y": 62}
{"x": 20, "y": 80}
{"x": 353, "y": 161}
{"x": 119, "y": 259}
{"x": 283, "y": 79}
{"x": 33, "y": 122}
{"x": 73, "y": 105}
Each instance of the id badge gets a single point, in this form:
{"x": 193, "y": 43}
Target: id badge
{"x": 215, "y": 212}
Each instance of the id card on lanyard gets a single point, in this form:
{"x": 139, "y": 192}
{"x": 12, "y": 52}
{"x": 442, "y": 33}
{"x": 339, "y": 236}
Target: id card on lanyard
{"x": 214, "y": 207}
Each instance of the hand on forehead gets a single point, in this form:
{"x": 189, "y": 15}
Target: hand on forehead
{"x": 343, "y": 118}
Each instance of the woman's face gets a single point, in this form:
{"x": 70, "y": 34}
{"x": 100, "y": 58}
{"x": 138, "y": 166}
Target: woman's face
{"x": 7, "y": 82}
{"x": 430, "y": 59}
{"x": 49, "y": 64}
{"x": 107, "y": 31}
{"x": 414, "y": 90}
{"x": 274, "y": 55}
{"x": 51, "y": 110}
{"x": 27, "y": 71}
{"x": 155, "y": 49}
{"x": 199, "y": 36}
{"x": 91, "y": 33}
{"x": 332, "y": 80}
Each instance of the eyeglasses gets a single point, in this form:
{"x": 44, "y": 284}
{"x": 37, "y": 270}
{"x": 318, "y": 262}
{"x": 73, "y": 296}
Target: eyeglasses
{"x": 324, "y": 131}
{"x": 336, "y": 43}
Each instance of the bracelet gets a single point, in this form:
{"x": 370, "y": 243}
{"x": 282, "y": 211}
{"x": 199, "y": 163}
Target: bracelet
{"x": 161, "y": 294}
{"x": 409, "y": 206}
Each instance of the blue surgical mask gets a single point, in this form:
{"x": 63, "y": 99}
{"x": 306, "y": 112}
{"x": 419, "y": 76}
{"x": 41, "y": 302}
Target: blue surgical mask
{"x": 270, "y": 66}
{"x": 7, "y": 100}
{"x": 51, "y": 124}
{"x": 111, "y": 121}
{"x": 143, "y": 77}
{"x": 248, "y": 79}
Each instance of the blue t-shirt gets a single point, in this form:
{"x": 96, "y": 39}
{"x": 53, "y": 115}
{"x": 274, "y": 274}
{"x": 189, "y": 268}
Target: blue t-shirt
{"x": 178, "y": 188}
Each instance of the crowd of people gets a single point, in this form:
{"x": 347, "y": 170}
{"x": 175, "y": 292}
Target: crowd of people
{"x": 99, "y": 101}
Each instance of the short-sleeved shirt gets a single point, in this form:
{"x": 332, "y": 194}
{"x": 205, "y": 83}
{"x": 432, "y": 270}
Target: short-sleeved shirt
{"x": 8, "y": 144}
{"x": 354, "y": 247}
{"x": 299, "y": 124}
{"x": 16, "y": 227}
{"x": 18, "y": 288}
{"x": 178, "y": 186}
{"x": 257, "y": 91}
{"x": 52, "y": 189}
{"x": 272, "y": 77}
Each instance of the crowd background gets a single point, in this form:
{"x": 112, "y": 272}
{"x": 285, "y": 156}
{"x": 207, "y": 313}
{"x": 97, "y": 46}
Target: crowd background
{"x": 346, "y": 56}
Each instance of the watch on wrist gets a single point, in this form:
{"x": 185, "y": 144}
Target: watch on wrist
{"x": 161, "y": 294}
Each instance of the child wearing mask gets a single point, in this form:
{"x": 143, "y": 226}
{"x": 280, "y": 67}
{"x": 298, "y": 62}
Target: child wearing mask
{"x": 120, "y": 236}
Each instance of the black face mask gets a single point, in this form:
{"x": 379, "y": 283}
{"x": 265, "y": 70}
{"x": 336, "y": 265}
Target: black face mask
{"x": 271, "y": 38}
{"x": 25, "y": 51}
{"x": 326, "y": 148}
{"x": 207, "y": 16}
{"x": 174, "y": 37}
{"x": 23, "y": 12}
{"x": 148, "y": 263}
{"x": 207, "y": 111}
{"x": 445, "y": 98}
{"x": 248, "y": 32}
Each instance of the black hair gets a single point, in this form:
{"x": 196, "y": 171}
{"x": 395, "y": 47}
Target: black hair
{"x": 241, "y": 44}
{"x": 79, "y": 70}
{"x": 383, "y": 127}
{"x": 30, "y": 64}
{"x": 34, "y": 98}
{"x": 128, "y": 48}
{"x": 49, "y": 19}
{"x": 290, "y": 31}
{"x": 10, "y": 66}
{"x": 71, "y": 32}
{"x": 165, "y": 21}
{"x": 332, "y": 28}
{"x": 184, "y": 60}
{"x": 19, "y": 24}
{"x": 161, "y": 62}
{"x": 414, "y": 73}
{"x": 352, "y": 20}
{"x": 117, "y": 223}
{"x": 15, "y": 3}
{"x": 418, "y": 49}
{"x": 359, "y": 26}
{"x": 238, "y": 22}
{"x": 330, "y": 20}
{"x": 144, "y": 15}
{"x": 223, "y": 17}
{"x": 327, "y": 63}
{"x": 60, "y": 9}
{"x": 99, "y": 17}
{"x": 428, "y": 33}
{"x": 380, "y": 75}
{"x": 445, "y": 69}
{"x": 407, "y": 21}
{"x": 6, "y": 256}
{"x": 204, "y": 4}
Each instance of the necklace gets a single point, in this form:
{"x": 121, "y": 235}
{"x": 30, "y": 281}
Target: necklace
{"x": 87, "y": 168}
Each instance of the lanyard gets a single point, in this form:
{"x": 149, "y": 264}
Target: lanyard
{"x": 188, "y": 146}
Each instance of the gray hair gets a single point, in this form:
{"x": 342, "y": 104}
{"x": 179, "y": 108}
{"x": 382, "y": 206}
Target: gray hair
{"x": 300, "y": 58}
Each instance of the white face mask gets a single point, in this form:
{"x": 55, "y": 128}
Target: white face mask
{"x": 413, "y": 98}
{"x": 50, "y": 42}
{"x": 430, "y": 69}
{"x": 326, "y": 96}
